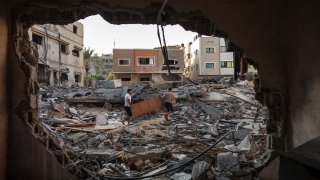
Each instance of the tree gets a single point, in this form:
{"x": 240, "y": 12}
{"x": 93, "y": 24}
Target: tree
{"x": 87, "y": 53}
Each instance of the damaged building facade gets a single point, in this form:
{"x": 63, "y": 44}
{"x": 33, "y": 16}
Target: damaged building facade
{"x": 60, "y": 53}
{"x": 147, "y": 65}
{"x": 207, "y": 58}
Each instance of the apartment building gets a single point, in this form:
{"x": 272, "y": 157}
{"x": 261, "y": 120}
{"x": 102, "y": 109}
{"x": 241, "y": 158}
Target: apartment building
{"x": 60, "y": 49}
{"x": 148, "y": 65}
{"x": 101, "y": 64}
{"x": 206, "y": 57}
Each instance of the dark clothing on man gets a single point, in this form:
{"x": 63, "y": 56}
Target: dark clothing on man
{"x": 169, "y": 106}
{"x": 128, "y": 110}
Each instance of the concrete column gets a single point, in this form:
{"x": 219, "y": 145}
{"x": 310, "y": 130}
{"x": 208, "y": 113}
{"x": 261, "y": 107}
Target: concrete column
{"x": 3, "y": 93}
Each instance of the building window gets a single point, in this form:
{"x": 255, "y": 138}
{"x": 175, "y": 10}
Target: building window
{"x": 145, "y": 79}
{"x": 125, "y": 79}
{"x": 75, "y": 29}
{"x": 209, "y": 65}
{"x": 171, "y": 62}
{"x": 77, "y": 78}
{"x": 64, "y": 48}
{"x": 146, "y": 61}
{"x": 227, "y": 64}
{"x": 75, "y": 52}
{"x": 124, "y": 62}
{"x": 37, "y": 39}
{"x": 63, "y": 77}
{"x": 197, "y": 66}
{"x": 209, "y": 50}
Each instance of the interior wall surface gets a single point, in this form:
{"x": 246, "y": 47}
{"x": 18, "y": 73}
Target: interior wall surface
{"x": 27, "y": 157}
{"x": 3, "y": 91}
{"x": 304, "y": 71}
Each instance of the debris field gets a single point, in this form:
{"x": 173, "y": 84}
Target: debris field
{"x": 217, "y": 131}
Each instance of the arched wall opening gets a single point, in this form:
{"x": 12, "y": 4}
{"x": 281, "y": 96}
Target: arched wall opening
{"x": 253, "y": 20}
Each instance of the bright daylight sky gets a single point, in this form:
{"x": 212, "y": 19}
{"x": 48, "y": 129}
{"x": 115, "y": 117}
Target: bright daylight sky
{"x": 99, "y": 35}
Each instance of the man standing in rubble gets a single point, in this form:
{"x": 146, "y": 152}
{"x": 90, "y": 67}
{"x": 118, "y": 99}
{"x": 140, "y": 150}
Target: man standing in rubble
{"x": 127, "y": 105}
{"x": 168, "y": 99}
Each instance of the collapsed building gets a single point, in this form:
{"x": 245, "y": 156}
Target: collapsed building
{"x": 276, "y": 36}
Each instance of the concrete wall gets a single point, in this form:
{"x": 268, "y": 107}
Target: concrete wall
{"x": 229, "y": 57}
{"x": 3, "y": 92}
{"x": 53, "y": 35}
{"x": 303, "y": 65}
{"x": 209, "y": 42}
{"x": 133, "y": 55}
{"x": 123, "y": 54}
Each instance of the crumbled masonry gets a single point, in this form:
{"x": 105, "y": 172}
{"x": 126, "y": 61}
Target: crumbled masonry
{"x": 89, "y": 139}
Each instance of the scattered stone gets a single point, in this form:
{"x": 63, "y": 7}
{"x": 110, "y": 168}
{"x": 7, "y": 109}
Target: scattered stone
{"x": 101, "y": 120}
{"x": 228, "y": 162}
{"x": 207, "y": 136}
{"x": 77, "y": 137}
{"x": 181, "y": 176}
{"x": 147, "y": 162}
{"x": 198, "y": 170}
{"x": 189, "y": 137}
{"x": 73, "y": 111}
{"x": 137, "y": 165}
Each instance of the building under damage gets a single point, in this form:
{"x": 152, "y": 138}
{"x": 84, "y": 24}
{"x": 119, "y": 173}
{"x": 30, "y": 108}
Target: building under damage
{"x": 280, "y": 38}
{"x": 60, "y": 53}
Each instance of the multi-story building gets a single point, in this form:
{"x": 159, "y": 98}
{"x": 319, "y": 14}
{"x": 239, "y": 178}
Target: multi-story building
{"x": 148, "y": 64}
{"x": 60, "y": 53}
{"x": 101, "y": 65}
{"x": 206, "y": 57}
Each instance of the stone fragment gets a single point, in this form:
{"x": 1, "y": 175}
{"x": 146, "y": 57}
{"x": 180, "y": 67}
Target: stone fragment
{"x": 77, "y": 137}
{"x": 228, "y": 162}
{"x": 147, "y": 162}
{"x": 137, "y": 165}
{"x": 101, "y": 120}
{"x": 73, "y": 111}
{"x": 207, "y": 136}
{"x": 181, "y": 176}
{"x": 199, "y": 170}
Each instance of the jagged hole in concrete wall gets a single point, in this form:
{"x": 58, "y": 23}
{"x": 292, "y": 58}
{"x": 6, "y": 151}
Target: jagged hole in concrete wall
{"x": 28, "y": 56}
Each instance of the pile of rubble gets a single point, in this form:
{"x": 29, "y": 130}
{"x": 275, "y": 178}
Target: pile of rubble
{"x": 216, "y": 132}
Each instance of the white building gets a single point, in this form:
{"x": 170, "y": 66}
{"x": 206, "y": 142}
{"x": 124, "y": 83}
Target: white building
{"x": 60, "y": 49}
{"x": 206, "y": 57}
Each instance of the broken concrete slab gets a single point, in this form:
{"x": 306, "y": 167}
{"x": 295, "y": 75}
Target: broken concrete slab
{"x": 199, "y": 170}
{"x": 228, "y": 162}
{"x": 110, "y": 84}
{"x": 77, "y": 137}
{"x": 101, "y": 120}
{"x": 181, "y": 176}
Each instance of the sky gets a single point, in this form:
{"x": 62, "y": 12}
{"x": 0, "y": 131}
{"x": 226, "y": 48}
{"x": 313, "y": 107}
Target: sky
{"x": 100, "y": 35}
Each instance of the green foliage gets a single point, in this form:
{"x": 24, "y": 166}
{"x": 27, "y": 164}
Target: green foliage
{"x": 87, "y": 53}
{"x": 88, "y": 79}
{"x": 110, "y": 76}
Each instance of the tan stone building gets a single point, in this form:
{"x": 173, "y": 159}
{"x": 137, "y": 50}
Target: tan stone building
{"x": 206, "y": 57}
{"x": 60, "y": 49}
{"x": 147, "y": 64}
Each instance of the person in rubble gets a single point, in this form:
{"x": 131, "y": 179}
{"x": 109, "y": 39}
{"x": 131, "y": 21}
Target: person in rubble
{"x": 168, "y": 99}
{"x": 127, "y": 106}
